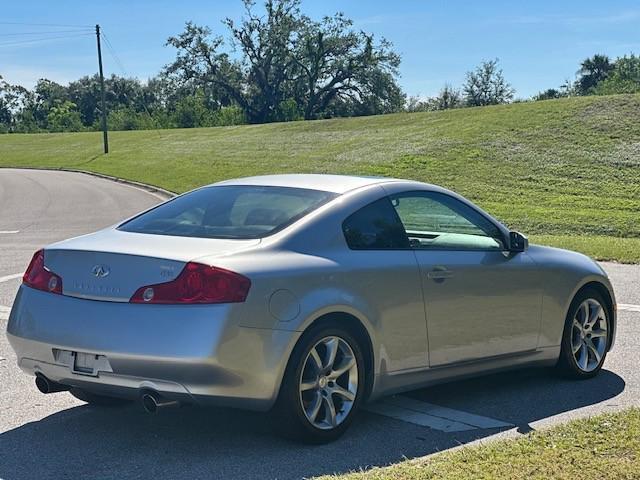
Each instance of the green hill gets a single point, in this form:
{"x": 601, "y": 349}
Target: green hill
{"x": 566, "y": 171}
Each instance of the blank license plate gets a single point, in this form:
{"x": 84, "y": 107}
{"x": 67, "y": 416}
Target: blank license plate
{"x": 85, "y": 363}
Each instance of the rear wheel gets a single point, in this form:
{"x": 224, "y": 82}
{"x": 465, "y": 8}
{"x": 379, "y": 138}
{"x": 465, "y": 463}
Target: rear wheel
{"x": 323, "y": 386}
{"x": 98, "y": 400}
{"x": 586, "y": 336}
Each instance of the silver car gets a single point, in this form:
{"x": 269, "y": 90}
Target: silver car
{"x": 306, "y": 295}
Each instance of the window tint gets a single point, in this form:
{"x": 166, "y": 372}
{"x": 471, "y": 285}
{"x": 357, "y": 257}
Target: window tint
{"x": 375, "y": 227}
{"x": 438, "y": 221}
{"x": 229, "y": 212}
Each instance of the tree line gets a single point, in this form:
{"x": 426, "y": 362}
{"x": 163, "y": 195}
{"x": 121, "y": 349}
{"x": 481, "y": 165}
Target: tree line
{"x": 274, "y": 64}
{"x": 597, "y": 75}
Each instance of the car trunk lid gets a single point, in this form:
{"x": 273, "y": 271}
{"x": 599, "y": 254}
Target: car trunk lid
{"x": 111, "y": 265}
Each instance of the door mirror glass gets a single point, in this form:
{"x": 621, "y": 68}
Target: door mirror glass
{"x": 518, "y": 242}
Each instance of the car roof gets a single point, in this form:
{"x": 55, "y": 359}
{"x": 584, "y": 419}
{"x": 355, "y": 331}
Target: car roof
{"x": 328, "y": 183}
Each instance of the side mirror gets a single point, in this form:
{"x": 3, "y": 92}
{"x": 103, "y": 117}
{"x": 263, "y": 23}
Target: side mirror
{"x": 518, "y": 242}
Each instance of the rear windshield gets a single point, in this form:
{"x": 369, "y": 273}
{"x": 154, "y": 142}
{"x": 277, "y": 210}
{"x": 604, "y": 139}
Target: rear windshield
{"x": 229, "y": 212}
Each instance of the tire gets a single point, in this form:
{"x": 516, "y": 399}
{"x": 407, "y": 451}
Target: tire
{"x": 593, "y": 342}
{"x": 298, "y": 399}
{"x": 98, "y": 400}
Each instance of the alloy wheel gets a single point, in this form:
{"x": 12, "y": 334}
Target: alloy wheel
{"x": 328, "y": 383}
{"x": 589, "y": 335}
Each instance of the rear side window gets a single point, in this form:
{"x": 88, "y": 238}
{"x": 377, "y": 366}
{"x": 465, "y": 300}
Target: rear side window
{"x": 375, "y": 227}
{"x": 233, "y": 211}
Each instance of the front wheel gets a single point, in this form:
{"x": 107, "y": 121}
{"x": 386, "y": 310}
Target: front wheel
{"x": 585, "y": 341}
{"x": 323, "y": 385}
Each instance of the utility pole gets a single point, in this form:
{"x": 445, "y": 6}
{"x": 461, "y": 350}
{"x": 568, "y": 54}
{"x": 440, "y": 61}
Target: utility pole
{"x": 105, "y": 138}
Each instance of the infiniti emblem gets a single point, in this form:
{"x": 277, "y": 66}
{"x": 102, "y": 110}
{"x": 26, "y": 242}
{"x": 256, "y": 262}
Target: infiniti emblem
{"x": 100, "y": 271}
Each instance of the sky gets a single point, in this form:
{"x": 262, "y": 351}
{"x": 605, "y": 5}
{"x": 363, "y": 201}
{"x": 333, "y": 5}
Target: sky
{"x": 539, "y": 44}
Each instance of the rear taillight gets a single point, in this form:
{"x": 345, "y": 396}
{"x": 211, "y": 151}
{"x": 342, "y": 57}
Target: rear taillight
{"x": 37, "y": 276}
{"x": 197, "y": 283}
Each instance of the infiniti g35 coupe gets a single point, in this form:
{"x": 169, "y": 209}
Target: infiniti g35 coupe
{"x": 306, "y": 295}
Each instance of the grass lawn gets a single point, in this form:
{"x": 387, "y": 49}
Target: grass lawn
{"x": 606, "y": 446}
{"x": 566, "y": 172}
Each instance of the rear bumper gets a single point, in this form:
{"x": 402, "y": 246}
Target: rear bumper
{"x": 195, "y": 354}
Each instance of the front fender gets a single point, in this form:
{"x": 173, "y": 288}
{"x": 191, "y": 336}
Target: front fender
{"x": 565, "y": 274}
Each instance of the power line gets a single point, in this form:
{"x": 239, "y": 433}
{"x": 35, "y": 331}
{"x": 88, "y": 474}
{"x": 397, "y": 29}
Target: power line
{"x": 77, "y": 30}
{"x": 39, "y": 40}
{"x": 45, "y": 24}
{"x": 113, "y": 54}
{"x": 115, "y": 57}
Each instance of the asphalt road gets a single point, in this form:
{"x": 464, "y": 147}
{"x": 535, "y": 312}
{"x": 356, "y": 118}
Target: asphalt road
{"x": 56, "y": 436}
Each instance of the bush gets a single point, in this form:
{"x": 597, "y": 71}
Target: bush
{"x": 128, "y": 119}
{"x": 63, "y": 117}
{"x": 447, "y": 98}
{"x": 549, "y": 94}
{"x": 191, "y": 112}
{"x": 625, "y": 77}
{"x": 188, "y": 114}
{"x": 229, "y": 116}
{"x": 288, "y": 111}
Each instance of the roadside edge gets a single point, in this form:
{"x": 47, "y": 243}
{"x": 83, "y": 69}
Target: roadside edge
{"x": 158, "y": 191}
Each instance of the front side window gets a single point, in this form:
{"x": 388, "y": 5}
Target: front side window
{"x": 435, "y": 220}
{"x": 375, "y": 227}
{"x": 229, "y": 211}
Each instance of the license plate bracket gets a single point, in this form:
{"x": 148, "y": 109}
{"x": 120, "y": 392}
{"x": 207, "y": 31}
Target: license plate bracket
{"x": 82, "y": 363}
{"x": 85, "y": 363}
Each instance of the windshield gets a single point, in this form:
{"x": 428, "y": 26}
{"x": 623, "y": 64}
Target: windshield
{"x": 234, "y": 211}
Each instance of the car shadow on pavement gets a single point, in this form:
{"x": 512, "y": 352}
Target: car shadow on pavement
{"x": 193, "y": 443}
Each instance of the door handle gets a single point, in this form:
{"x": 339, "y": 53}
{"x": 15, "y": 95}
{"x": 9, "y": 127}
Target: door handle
{"x": 440, "y": 273}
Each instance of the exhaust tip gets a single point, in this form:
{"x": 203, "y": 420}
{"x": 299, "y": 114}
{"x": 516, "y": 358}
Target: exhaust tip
{"x": 47, "y": 386}
{"x": 149, "y": 403}
{"x": 42, "y": 384}
{"x": 152, "y": 402}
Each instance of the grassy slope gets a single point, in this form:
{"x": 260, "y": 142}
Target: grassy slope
{"x": 565, "y": 171}
{"x": 606, "y": 446}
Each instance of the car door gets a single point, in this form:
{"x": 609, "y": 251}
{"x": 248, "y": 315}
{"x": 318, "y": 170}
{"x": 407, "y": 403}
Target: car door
{"x": 481, "y": 300}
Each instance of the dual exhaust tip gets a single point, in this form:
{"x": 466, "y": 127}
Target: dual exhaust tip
{"x": 151, "y": 401}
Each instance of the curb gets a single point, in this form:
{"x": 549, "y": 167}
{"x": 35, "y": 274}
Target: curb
{"x": 158, "y": 191}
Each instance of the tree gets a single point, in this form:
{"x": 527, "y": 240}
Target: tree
{"x": 415, "y": 104}
{"x": 120, "y": 93}
{"x": 254, "y": 82}
{"x": 6, "y": 104}
{"x": 624, "y": 78}
{"x": 47, "y": 94}
{"x": 63, "y": 117}
{"x": 486, "y": 85}
{"x": 14, "y": 101}
{"x": 448, "y": 97}
{"x": 333, "y": 63}
{"x": 592, "y": 71}
{"x": 85, "y": 94}
{"x": 191, "y": 112}
{"x": 288, "y": 65}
